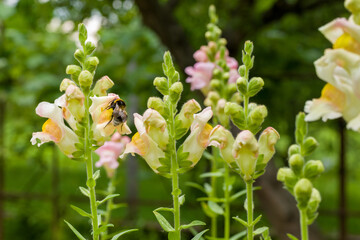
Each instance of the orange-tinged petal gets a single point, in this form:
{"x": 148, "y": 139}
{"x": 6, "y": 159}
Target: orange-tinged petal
{"x": 105, "y": 116}
{"x": 204, "y": 135}
{"x": 52, "y": 129}
{"x": 346, "y": 41}
{"x": 333, "y": 95}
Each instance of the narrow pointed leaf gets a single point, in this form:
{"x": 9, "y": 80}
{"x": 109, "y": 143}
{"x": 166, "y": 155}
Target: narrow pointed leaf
{"x": 239, "y": 235}
{"x": 198, "y": 236}
{"x": 81, "y": 212}
{"x": 241, "y": 221}
{"x": 256, "y": 220}
{"x": 96, "y": 175}
{"x": 215, "y": 208}
{"x": 292, "y": 237}
{"x": 103, "y": 228}
{"x": 193, "y": 223}
{"x": 115, "y": 237}
{"x": 84, "y": 191}
{"x": 75, "y": 231}
{"x": 163, "y": 222}
{"x": 107, "y": 198}
{"x": 260, "y": 230}
{"x": 197, "y": 186}
{"x": 164, "y": 209}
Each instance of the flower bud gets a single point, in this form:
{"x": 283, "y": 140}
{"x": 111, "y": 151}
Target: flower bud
{"x": 255, "y": 85}
{"x": 155, "y": 126}
{"x": 186, "y": 116}
{"x": 288, "y": 177}
{"x": 175, "y": 92}
{"x": 256, "y": 118}
{"x": 236, "y": 98}
{"x": 222, "y": 138}
{"x": 215, "y": 84}
{"x": 219, "y": 109}
{"x": 216, "y": 72}
{"x": 313, "y": 168}
{"x": 91, "y": 63}
{"x": 222, "y": 41}
{"x": 231, "y": 89}
{"x": 236, "y": 113}
{"x": 267, "y": 141}
{"x": 309, "y": 146}
{"x": 249, "y": 47}
{"x": 314, "y": 201}
{"x": 212, "y": 98}
{"x": 89, "y": 47}
{"x": 161, "y": 85}
{"x": 353, "y": 6}
{"x": 296, "y": 163}
{"x": 303, "y": 191}
{"x": 85, "y": 78}
{"x": 241, "y": 83}
{"x": 293, "y": 149}
{"x": 157, "y": 104}
{"x": 65, "y": 84}
{"x": 73, "y": 69}
{"x": 102, "y": 85}
{"x": 79, "y": 55}
{"x": 242, "y": 70}
{"x": 245, "y": 152}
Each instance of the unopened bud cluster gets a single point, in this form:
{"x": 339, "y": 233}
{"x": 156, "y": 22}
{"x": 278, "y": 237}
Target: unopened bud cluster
{"x": 299, "y": 176}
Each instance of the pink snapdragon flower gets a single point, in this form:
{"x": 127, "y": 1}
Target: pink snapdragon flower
{"x": 110, "y": 152}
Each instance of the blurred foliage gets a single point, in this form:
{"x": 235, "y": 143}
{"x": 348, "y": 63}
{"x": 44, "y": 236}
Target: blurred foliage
{"x": 36, "y": 45}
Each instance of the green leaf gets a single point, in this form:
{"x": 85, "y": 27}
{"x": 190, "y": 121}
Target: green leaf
{"x": 256, "y": 220}
{"x": 78, "y": 154}
{"x": 292, "y": 237}
{"x": 75, "y": 231}
{"x": 96, "y": 175}
{"x": 239, "y": 235}
{"x": 198, "y": 236}
{"x": 81, "y": 212}
{"x": 260, "y": 230}
{"x": 164, "y": 209}
{"x": 207, "y": 210}
{"x": 215, "y": 208}
{"x": 182, "y": 199}
{"x": 163, "y": 222}
{"x": 82, "y": 34}
{"x": 241, "y": 221}
{"x": 213, "y": 199}
{"x": 84, "y": 191}
{"x": 301, "y": 128}
{"x": 237, "y": 195}
{"x": 123, "y": 233}
{"x": 103, "y": 228}
{"x": 193, "y": 223}
{"x": 107, "y": 198}
{"x": 212, "y": 174}
{"x": 196, "y": 185}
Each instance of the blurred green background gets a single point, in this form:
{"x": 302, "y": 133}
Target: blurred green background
{"x": 36, "y": 44}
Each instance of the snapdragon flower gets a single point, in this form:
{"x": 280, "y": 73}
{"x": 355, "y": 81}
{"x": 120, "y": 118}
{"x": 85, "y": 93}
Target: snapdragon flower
{"x": 109, "y": 153}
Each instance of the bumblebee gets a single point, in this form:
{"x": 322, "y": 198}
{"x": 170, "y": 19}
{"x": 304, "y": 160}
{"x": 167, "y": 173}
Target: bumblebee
{"x": 119, "y": 114}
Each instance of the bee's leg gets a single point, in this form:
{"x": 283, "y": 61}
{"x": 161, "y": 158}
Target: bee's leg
{"x": 109, "y": 121}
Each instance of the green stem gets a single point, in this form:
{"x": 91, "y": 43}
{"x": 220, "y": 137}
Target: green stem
{"x": 303, "y": 224}
{"x": 89, "y": 168}
{"x": 109, "y": 205}
{"x": 213, "y": 194}
{"x": 249, "y": 197}
{"x": 227, "y": 203}
{"x": 174, "y": 174}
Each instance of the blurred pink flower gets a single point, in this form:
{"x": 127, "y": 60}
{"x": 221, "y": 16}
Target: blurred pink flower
{"x": 110, "y": 152}
{"x": 200, "y": 75}
{"x": 200, "y": 55}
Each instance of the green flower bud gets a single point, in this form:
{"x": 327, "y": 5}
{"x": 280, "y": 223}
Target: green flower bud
{"x": 91, "y": 63}
{"x": 231, "y": 89}
{"x": 353, "y": 6}
{"x": 248, "y": 60}
{"x": 301, "y": 128}
{"x": 175, "y": 92}
{"x": 293, "y": 149}
{"x": 241, "y": 83}
{"x": 256, "y": 117}
{"x": 73, "y": 70}
{"x": 249, "y": 47}
{"x": 89, "y": 48}
{"x": 216, "y": 73}
{"x": 236, "y": 98}
{"x": 157, "y": 104}
{"x": 82, "y": 33}
{"x": 215, "y": 84}
{"x": 296, "y": 163}
{"x": 236, "y": 113}
{"x": 65, "y": 84}
{"x": 225, "y": 75}
{"x": 242, "y": 70}
{"x": 255, "y": 85}
{"x": 184, "y": 119}
{"x": 303, "y": 191}
{"x": 102, "y": 85}
{"x": 79, "y": 56}
{"x": 211, "y": 99}
{"x": 314, "y": 201}
{"x": 313, "y": 168}
{"x": 161, "y": 85}
{"x": 309, "y": 146}
{"x": 208, "y": 35}
{"x": 222, "y": 41}
{"x": 288, "y": 177}
{"x": 85, "y": 78}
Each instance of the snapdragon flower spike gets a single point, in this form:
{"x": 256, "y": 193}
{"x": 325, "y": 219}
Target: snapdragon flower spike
{"x": 54, "y": 129}
{"x": 102, "y": 117}
{"x": 341, "y": 95}
{"x": 109, "y": 153}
